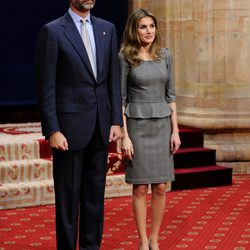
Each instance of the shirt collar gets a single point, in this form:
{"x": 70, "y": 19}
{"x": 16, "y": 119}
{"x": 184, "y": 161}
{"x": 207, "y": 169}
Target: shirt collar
{"x": 76, "y": 18}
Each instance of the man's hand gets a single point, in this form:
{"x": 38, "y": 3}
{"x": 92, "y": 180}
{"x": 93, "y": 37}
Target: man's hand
{"x": 115, "y": 133}
{"x": 58, "y": 141}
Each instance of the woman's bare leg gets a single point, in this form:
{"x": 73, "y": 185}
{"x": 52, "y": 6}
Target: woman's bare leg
{"x": 157, "y": 211}
{"x": 139, "y": 200}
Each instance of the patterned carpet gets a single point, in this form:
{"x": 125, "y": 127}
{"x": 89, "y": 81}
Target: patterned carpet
{"x": 207, "y": 218}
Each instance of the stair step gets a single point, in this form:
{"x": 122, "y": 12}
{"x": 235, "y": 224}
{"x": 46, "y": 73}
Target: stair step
{"x": 25, "y": 171}
{"x": 191, "y": 137}
{"x": 42, "y": 192}
{"x": 202, "y": 176}
{"x": 116, "y": 186}
{"x": 19, "y": 150}
{"x": 193, "y": 157}
{"x": 112, "y": 147}
{"x": 26, "y": 194}
{"x": 45, "y": 149}
{"x": 115, "y": 163}
{"x": 199, "y": 169}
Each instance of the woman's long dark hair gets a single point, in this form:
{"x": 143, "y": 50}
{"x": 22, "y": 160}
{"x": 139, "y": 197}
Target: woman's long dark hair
{"x": 131, "y": 43}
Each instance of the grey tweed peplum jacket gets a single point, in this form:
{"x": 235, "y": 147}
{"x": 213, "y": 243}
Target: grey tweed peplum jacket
{"x": 148, "y": 88}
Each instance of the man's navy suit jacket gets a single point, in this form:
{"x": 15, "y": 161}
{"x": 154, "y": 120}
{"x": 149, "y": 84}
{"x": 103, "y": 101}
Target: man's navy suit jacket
{"x": 70, "y": 99}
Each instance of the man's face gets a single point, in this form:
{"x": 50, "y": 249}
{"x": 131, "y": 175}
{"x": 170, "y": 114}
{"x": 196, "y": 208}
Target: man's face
{"x": 83, "y": 5}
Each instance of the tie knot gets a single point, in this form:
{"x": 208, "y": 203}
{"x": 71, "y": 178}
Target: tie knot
{"x": 83, "y": 21}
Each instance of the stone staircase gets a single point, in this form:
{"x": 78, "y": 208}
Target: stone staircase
{"x": 26, "y": 174}
{"x": 195, "y": 166}
{"x": 25, "y": 178}
{"x": 26, "y": 168}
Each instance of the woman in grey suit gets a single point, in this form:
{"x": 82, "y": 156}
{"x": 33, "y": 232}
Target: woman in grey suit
{"x": 150, "y": 132}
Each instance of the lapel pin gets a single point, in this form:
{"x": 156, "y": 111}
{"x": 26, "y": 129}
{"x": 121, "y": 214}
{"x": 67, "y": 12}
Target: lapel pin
{"x": 104, "y": 33}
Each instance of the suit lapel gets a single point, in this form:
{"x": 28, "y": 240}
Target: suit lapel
{"x": 74, "y": 37}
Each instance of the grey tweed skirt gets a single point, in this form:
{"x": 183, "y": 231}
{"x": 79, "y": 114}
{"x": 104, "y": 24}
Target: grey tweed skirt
{"x": 152, "y": 161}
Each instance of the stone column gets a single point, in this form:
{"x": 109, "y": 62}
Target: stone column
{"x": 210, "y": 43}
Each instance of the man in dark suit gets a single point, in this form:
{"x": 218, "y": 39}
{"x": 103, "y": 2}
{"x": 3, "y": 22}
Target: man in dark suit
{"x": 80, "y": 107}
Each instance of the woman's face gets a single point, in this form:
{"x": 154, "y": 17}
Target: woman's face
{"x": 146, "y": 30}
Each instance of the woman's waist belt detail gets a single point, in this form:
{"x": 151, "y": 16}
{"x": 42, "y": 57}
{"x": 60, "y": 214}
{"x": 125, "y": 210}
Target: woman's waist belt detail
{"x": 148, "y": 109}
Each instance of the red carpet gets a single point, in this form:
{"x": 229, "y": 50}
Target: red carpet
{"x": 207, "y": 218}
